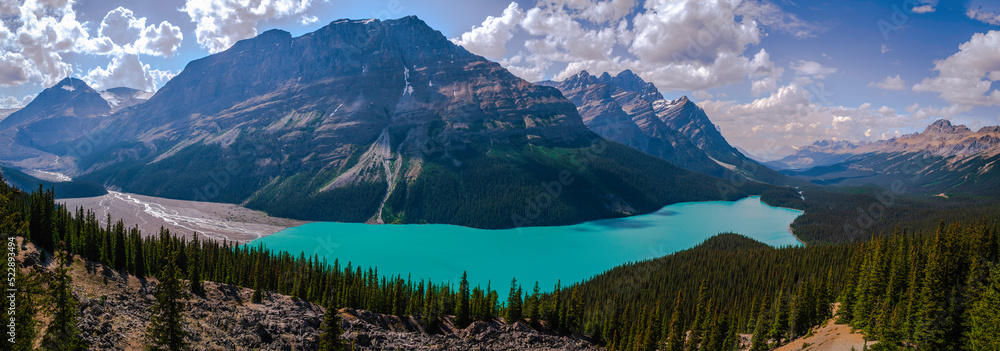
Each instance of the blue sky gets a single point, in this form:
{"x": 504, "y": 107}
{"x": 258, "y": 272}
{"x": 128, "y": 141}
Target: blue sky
{"x": 770, "y": 73}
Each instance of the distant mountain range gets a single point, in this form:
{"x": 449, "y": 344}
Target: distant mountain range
{"x": 631, "y": 111}
{"x": 942, "y": 158}
{"x": 378, "y": 121}
{"x": 65, "y": 112}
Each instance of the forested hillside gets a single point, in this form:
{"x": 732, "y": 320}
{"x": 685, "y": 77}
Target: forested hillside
{"x": 936, "y": 289}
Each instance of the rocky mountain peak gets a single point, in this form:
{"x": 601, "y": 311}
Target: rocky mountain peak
{"x": 989, "y": 129}
{"x": 71, "y": 96}
{"x": 943, "y": 126}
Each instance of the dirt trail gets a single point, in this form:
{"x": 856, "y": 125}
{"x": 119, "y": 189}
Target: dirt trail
{"x": 829, "y": 336}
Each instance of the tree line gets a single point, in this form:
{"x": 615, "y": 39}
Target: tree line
{"x": 935, "y": 289}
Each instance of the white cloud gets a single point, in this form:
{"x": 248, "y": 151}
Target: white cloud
{"x": 490, "y": 38}
{"x": 966, "y": 77}
{"x": 121, "y": 26}
{"x": 307, "y": 20}
{"x": 131, "y": 35}
{"x": 886, "y": 110}
{"x": 221, "y": 23}
{"x": 10, "y": 102}
{"x": 675, "y": 44}
{"x": 813, "y": 69}
{"x": 773, "y": 17}
{"x": 924, "y": 6}
{"x": 885, "y": 48}
{"x": 160, "y": 40}
{"x": 890, "y": 83}
{"x": 701, "y": 95}
{"x": 14, "y": 69}
{"x": 984, "y": 16}
{"x": 789, "y": 117}
{"x": 710, "y": 30}
{"x": 47, "y": 30}
{"x": 127, "y": 71}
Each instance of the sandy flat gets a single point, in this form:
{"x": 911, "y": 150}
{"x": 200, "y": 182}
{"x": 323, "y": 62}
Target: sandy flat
{"x": 213, "y": 220}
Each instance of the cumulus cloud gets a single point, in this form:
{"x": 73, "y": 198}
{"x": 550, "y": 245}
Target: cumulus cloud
{"x": 701, "y": 95}
{"x": 789, "y": 116}
{"x": 45, "y": 31}
{"x": 161, "y": 40}
{"x": 490, "y": 38}
{"x": 925, "y": 6}
{"x": 812, "y": 69}
{"x": 890, "y": 83}
{"x": 307, "y": 20}
{"x": 988, "y": 17}
{"x": 121, "y": 26}
{"x": 14, "y": 69}
{"x": 967, "y": 76}
{"x": 676, "y": 44}
{"x": 709, "y": 28}
{"x": 127, "y": 71}
{"x": 130, "y": 34}
{"x": 10, "y": 102}
{"x": 221, "y": 23}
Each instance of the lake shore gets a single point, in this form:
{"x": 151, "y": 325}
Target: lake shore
{"x": 210, "y": 220}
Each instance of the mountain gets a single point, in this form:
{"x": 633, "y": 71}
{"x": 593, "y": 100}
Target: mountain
{"x": 59, "y": 118}
{"x": 819, "y": 153}
{"x": 63, "y": 112}
{"x": 123, "y": 97}
{"x": 631, "y": 111}
{"x": 942, "y": 158}
{"x": 379, "y": 121}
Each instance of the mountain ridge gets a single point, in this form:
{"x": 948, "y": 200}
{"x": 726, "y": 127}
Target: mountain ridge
{"x": 942, "y": 158}
{"x": 379, "y": 121}
{"x": 631, "y": 111}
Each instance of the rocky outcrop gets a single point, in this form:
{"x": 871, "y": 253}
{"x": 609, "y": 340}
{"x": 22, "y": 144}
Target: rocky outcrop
{"x": 372, "y": 331}
{"x": 114, "y": 313}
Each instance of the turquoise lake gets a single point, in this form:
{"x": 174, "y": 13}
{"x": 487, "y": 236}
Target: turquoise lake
{"x": 545, "y": 254}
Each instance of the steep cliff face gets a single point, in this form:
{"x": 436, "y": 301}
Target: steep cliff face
{"x": 376, "y": 121}
{"x": 631, "y": 111}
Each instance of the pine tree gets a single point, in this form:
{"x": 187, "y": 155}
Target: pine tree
{"x": 330, "y": 330}
{"x": 759, "y": 340}
{"x": 700, "y": 314}
{"x": 26, "y": 309}
{"x": 983, "y": 331}
{"x": 652, "y": 335}
{"x": 534, "y": 307}
{"x": 166, "y": 326}
{"x": 677, "y": 334}
{"x": 554, "y": 306}
{"x": 513, "y": 303}
{"x": 462, "y": 312}
{"x": 780, "y": 326}
{"x": 574, "y": 318}
{"x": 62, "y": 333}
{"x": 194, "y": 267}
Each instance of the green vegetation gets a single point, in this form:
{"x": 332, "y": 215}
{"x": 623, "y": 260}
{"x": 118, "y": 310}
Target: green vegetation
{"x": 933, "y": 289}
{"x": 62, "y": 190}
{"x": 499, "y": 184}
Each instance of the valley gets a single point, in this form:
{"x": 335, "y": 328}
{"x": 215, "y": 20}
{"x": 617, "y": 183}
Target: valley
{"x": 383, "y": 184}
{"x": 215, "y": 221}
